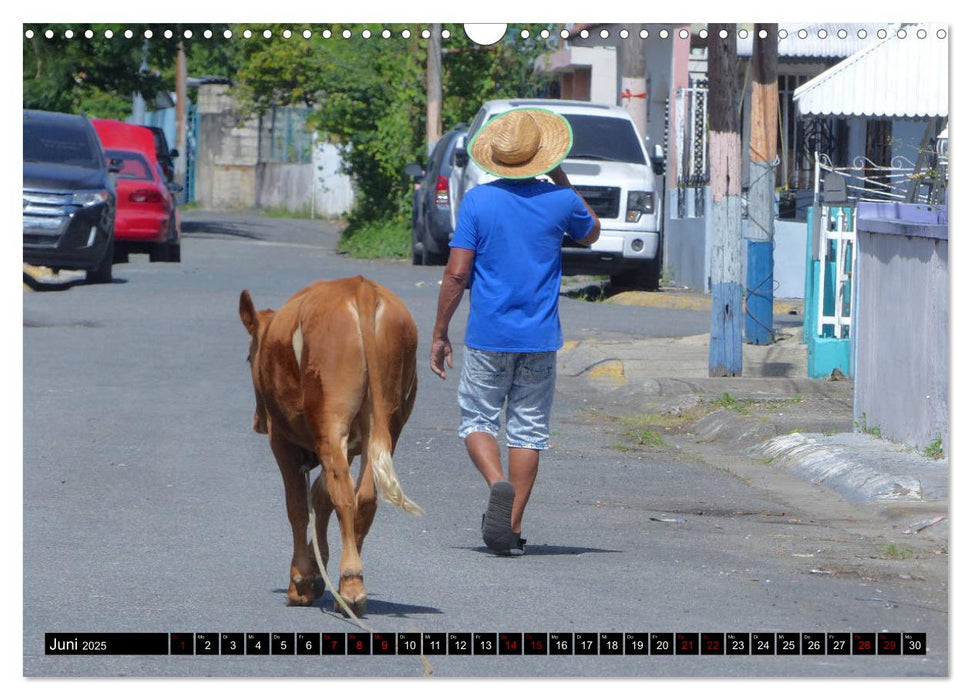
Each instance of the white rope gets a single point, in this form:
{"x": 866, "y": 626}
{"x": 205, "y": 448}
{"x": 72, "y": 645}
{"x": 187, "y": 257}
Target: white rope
{"x": 320, "y": 563}
{"x": 426, "y": 665}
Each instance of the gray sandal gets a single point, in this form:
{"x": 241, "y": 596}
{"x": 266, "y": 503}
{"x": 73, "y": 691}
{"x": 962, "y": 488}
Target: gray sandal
{"x": 497, "y": 520}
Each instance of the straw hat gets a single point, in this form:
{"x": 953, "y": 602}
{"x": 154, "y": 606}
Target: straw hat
{"x": 522, "y": 143}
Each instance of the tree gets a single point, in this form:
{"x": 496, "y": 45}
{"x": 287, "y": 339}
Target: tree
{"x": 369, "y": 96}
{"x": 99, "y": 75}
{"x": 96, "y": 76}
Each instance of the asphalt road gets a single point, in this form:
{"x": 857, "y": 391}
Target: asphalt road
{"x": 151, "y": 506}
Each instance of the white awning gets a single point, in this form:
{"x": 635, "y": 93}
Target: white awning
{"x": 826, "y": 40}
{"x": 904, "y": 75}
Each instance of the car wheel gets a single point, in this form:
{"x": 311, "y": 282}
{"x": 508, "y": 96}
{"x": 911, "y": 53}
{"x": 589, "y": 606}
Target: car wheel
{"x": 169, "y": 251}
{"x": 159, "y": 252}
{"x": 432, "y": 259}
{"x": 165, "y": 252}
{"x": 645, "y": 276}
{"x": 417, "y": 252}
{"x": 102, "y": 273}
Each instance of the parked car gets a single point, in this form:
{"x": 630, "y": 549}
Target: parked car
{"x": 163, "y": 154}
{"x": 433, "y": 217}
{"x": 147, "y": 216}
{"x": 609, "y": 167}
{"x": 69, "y": 196}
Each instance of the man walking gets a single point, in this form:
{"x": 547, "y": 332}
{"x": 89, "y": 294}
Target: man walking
{"x": 506, "y": 248}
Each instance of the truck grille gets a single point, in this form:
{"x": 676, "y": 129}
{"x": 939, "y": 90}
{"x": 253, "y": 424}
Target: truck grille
{"x": 605, "y": 201}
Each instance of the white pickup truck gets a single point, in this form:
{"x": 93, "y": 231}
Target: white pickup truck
{"x": 610, "y": 168}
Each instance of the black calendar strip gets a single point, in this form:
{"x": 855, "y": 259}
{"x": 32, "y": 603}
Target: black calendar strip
{"x": 488, "y": 644}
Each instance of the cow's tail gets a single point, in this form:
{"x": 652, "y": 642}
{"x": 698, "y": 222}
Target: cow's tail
{"x": 380, "y": 447}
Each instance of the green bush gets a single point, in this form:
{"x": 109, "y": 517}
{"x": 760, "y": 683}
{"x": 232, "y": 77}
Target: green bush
{"x": 388, "y": 238}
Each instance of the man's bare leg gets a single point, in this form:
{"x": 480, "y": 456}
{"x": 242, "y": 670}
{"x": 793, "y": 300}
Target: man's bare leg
{"x": 484, "y": 450}
{"x": 523, "y": 467}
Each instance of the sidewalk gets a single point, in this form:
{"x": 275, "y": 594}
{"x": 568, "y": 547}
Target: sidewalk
{"x": 773, "y": 413}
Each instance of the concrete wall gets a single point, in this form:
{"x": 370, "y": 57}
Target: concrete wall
{"x": 333, "y": 189}
{"x": 901, "y": 331}
{"x": 291, "y": 186}
{"x": 657, "y": 57}
{"x": 229, "y": 173}
{"x": 284, "y": 186}
{"x": 686, "y": 244}
{"x": 227, "y": 152}
{"x": 603, "y": 71}
{"x": 789, "y": 259}
{"x": 586, "y": 72}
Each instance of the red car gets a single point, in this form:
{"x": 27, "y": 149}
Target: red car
{"x": 147, "y": 217}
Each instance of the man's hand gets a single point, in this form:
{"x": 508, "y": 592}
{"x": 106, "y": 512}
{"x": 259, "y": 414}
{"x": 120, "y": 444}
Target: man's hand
{"x": 454, "y": 280}
{"x": 559, "y": 177}
{"x": 441, "y": 355}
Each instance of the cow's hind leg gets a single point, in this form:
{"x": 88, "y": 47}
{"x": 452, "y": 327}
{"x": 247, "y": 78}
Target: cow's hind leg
{"x": 367, "y": 501}
{"x": 303, "y": 568}
{"x": 333, "y": 454}
{"x": 323, "y": 508}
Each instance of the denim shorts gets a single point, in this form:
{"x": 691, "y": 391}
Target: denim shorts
{"x": 523, "y": 381}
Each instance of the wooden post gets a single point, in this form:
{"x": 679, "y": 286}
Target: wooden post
{"x": 181, "y": 113}
{"x": 433, "y": 87}
{"x": 725, "y": 152}
{"x": 763, "y": 147}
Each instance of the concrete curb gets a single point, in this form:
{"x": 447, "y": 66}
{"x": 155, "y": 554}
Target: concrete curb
{"x": 812, "y": 437}
{"x": 859, "y": 467}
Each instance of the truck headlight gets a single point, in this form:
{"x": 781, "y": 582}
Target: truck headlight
{"x": 639, "y": 203}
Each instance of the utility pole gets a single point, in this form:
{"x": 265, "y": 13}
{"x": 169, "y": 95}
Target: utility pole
{"x": 433, "y": 87}
{"x": 181, "y": 112}
{"x": 633, "y": 81}
{"x": 138, "y": 107}
{"x": 725, "y": 154}
{"x": 761, "y": 194}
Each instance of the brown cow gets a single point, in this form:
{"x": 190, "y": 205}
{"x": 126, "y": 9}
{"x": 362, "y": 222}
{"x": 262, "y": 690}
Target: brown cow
{"x": 335, "y": 377}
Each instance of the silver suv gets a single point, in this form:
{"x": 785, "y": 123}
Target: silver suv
{"x": 610, "y": 168}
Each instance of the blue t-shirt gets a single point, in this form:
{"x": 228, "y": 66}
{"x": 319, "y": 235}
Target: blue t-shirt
{"x": 516, "y": 229}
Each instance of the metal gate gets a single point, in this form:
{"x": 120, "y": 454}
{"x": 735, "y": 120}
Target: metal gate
{"x": 691, "y": 122}
{"x": 191, "y": 152}
{"x": 837, "y": 243}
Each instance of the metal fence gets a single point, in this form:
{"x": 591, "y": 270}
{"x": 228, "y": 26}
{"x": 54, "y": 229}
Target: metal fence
{"x": 285, "y": 136}
{"x": 691, "y": 122}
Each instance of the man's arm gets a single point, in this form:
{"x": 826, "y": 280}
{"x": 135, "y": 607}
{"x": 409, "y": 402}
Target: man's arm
{"x": 559, "y": 178}
{"x": 454, "y": 281}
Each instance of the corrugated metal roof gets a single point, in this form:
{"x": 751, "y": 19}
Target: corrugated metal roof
{"x": 825, "y": 40}
{"x": 903, "y": 75}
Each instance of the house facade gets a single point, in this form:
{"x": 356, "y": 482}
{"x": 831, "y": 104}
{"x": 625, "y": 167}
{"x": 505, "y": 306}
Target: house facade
{"x": 894, "y": 322}
{"x": 674, "y": 73}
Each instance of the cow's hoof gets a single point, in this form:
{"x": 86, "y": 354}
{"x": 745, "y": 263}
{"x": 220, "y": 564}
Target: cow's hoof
{"x": 353, "y": 593}
{"x": 303, "y": 591}
{"x": 358, "y": 607}
{"x": 299, "y": 601}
